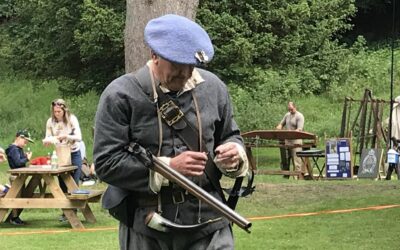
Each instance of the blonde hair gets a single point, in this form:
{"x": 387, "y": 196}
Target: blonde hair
{"x": 67, "y": 114}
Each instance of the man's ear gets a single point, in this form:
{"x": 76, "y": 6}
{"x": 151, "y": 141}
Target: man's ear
{"x": 154, "y": 57}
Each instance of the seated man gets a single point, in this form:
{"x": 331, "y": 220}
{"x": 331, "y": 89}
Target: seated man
{"x": 17, "y": 158}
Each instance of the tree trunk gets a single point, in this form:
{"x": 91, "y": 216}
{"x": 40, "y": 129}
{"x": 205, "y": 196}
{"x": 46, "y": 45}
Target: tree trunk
{"x": 138, "y": 13}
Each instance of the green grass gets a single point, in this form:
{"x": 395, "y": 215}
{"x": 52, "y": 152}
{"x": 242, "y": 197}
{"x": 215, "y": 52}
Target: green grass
{"x": 273, "y": 196}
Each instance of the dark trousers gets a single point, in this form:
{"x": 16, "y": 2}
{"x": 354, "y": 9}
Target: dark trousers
{"x": 76, "y": 160}
{"x": 131, "y": 240}
{"x": 392, "y": 167}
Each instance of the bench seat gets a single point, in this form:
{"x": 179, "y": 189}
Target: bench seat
{"x": 93, "y": 196}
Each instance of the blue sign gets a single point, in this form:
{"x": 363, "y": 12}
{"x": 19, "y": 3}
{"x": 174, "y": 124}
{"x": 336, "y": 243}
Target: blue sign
{"x": 338, "y": 158}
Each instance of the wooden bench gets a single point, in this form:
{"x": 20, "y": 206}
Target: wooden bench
{"x": 93, "y": 196}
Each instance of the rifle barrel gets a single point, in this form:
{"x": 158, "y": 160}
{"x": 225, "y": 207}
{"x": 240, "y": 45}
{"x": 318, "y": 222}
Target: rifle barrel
{"x": 199, "y": 193}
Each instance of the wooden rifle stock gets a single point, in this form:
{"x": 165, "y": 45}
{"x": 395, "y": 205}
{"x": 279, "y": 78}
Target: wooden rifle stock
{"x": 172, "y": 175}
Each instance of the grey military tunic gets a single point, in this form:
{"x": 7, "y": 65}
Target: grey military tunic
{"x": 127, "y": 112}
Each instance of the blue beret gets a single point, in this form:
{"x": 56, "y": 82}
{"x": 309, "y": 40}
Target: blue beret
{"x": 179, "y": 40}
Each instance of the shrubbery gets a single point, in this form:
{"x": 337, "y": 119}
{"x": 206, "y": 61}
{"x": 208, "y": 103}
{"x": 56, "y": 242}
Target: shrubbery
{"x": 80, "y": 40}
{"x": 83, "y": 40}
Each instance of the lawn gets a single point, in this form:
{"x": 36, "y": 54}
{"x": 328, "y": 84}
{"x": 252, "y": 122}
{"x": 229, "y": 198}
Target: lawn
{"x": 274, "y": 196}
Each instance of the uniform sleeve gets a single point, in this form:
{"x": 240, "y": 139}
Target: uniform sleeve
{"x": 114, "y": 164}
{"x": 228, "y": 131}
{"x": 241, "y": 169}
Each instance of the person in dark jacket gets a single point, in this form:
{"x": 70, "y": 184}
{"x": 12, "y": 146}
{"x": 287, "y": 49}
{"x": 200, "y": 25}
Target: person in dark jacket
{"x": 17, "y": 158}
{"x": 129, "y": 111}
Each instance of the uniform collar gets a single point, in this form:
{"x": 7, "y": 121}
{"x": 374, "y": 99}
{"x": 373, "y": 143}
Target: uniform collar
{"x": 190, "y": 84}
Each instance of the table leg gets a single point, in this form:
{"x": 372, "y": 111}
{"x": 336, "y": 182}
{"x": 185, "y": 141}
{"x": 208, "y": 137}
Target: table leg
{"x": 89, "y": 216}
{"x": 69, "y": 182}
{"x": 87, "y": 212}
{"x": 309, "y": 167}
{"x": 58, "y": 193}
{"x": 320, "y": 170}
{"x": 250, "y": 157}
{"x": 30, "y": 188}
{"x": 321, "y": 175}
{"x": 73, "y": 219}
{"x": 16, "y": 188}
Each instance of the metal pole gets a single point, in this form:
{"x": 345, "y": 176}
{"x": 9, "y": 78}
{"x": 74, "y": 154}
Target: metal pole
{"x": 391, "y": 72}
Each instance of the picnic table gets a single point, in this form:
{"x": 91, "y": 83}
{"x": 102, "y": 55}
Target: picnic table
{"x": 277, "y": 139}
{"x": 21, "y": 196}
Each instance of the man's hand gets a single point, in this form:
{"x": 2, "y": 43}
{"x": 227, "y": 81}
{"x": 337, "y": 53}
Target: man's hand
{"x": 228, "y": 156}
{"x": 29, "y": 155}
{"x": 279, "y": 127}
{"x": 189, "y": 163}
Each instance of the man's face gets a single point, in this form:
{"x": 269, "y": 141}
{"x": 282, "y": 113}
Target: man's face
{"x": 172, "y": 75}
{"x": 291, "y": 108}
{"x": 22, "y": 142}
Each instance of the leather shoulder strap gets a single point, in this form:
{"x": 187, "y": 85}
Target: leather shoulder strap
{"x": 185, "y": 131}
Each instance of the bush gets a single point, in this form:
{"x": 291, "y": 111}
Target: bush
{"x": 83, "y": 40}
{"x": 297, "y": 38}
{"x": 80, "y": 40}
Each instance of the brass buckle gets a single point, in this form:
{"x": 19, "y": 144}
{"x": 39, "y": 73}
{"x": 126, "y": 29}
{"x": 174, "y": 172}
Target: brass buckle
{"x": 171, "y": 113}
{"x": 178, "y": 197}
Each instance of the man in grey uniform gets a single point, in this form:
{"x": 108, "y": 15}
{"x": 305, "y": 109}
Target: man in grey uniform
{"x": 129, "y": 111}
{"x": 293, "y": 120}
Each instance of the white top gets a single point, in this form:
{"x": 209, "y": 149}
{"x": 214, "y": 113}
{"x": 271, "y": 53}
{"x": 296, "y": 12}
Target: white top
{"x": 72, "y": 131}
{"x": 82, "y": 148}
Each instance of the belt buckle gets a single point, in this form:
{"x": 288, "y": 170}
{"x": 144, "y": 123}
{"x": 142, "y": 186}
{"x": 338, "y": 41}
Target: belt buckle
{"x": 171, "y": 113}
{"x": 178, "y": 197}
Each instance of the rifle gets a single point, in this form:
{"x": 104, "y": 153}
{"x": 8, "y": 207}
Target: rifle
{"x": 172, "y": 175}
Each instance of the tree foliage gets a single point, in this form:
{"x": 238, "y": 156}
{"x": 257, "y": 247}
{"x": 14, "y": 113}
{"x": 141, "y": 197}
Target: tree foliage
{"x": 257, "y": 42}
{"x": 251, "y": 36}
{"x": 80, "y": 40}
